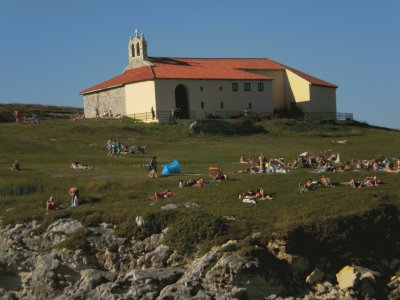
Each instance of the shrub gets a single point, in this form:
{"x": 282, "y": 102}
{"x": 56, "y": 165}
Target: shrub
{"x": 77, "y": 240}
{"x": 21, "y": 189}
{"x": 187, "y": 233}
{"x": 153, "y": 223}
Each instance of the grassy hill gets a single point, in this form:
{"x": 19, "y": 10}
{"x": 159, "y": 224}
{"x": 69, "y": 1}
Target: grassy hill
{"x": 43, "y": 111}
{"x": 117, "y": 189}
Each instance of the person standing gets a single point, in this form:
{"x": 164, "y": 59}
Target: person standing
{"x": 153, "y": 167}
{"x": 262, "y": 162}
{"x": 153, "y": 114}
{"x": 74, "y": 193}
{"x": 16, "y": 116}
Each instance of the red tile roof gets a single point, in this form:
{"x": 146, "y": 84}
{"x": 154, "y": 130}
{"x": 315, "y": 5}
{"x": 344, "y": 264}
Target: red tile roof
{"x": 201, "y": 68}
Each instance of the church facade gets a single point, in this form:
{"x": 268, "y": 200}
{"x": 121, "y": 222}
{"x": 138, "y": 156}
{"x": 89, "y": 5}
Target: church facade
{"x": 203, "y": 87}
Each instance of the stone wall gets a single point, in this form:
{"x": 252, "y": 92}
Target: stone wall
{"x": 106, "y": 100}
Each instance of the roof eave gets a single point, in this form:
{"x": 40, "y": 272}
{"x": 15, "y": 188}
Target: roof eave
{"x": 88, "y": 91}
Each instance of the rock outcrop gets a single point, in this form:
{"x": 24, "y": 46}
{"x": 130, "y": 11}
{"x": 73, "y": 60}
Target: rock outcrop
{"x": 37, "y": 263}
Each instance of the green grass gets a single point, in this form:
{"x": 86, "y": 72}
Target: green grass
{"x": 116, "y": 191}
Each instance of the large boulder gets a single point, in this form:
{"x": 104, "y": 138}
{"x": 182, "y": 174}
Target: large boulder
{"x": 358, "y": 278}
{"x": 297, "y": 263}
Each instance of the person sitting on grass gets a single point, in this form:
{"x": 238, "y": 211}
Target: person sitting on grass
{"x": 325, "y": 181}
{"x": 16, "y": 165}
{"x": 308, "y": 186}
{"x": 242, "y": 160}
{"x": 262, "y": 195}
{"x": 50, "y": 205}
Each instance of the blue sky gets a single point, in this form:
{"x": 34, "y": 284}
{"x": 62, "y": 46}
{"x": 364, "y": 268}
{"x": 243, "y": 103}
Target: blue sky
{"x": 51, "y": 50}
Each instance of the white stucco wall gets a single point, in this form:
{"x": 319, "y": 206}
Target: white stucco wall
{"x": 278, "y": 86}
{"x": 140, "y": 97}
{"x": 212, "y": 96}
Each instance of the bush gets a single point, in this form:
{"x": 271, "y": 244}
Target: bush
{"x": 76, "y": 241}
{"x": 240, "y": 127}
{"x": 153, "y": 223}
{"x": 186, "y": 234}
{"x": 20, "y": 189}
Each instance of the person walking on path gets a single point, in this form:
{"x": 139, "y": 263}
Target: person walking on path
{"x": 153, "y": 167}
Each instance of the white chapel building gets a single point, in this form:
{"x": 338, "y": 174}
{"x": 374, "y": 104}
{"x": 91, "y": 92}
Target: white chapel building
{"x": 203, "y": 87}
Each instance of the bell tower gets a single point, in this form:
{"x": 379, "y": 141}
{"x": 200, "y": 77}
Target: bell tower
{"x": 137, "y": 50}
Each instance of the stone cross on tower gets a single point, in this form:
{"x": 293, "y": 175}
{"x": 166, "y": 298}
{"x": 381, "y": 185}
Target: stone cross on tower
{"x": 137, "y": 50}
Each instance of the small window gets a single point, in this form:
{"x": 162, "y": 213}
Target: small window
{"x": 247, "y": 87}
{"x": 250, "y": 105}
{"x": 202, "y": 105}
{"x": 235, "y": 87}
{"x": 222, "y": 105}
{"x": 201, "y": 88}
{"x": 260, "y": 87}
{"x": 220, "y": 88}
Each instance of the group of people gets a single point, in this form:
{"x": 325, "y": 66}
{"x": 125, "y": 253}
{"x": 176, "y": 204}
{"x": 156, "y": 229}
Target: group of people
{"x": 34, "y": 118}
{"x": 74, "y": 194}
{"x": 115, "y": 148}
{"x": 263, "y": 165}
{"x": 324, "y": 181}
{"x": 322, "y": 164}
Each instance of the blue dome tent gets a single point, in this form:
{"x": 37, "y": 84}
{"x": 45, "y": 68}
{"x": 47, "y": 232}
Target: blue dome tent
{"x": 170, "y": 168}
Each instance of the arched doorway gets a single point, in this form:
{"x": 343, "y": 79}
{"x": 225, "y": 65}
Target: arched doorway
{"x": 181, "y": 102}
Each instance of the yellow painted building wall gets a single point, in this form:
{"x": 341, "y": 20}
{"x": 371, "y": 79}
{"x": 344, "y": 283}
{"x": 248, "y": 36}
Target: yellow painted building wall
{"x": 297, "y": 89}
{"x": 209, "y": 92}
{"x": 140, "y": 97}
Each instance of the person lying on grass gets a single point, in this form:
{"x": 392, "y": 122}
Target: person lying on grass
{"x": 201, "y": 182}
{"x": 161, "y": 195}
{"x": 78, "y": 166}
{"x": 220, "y": 176}
{"x": 260, "y": 194}
{"x": 367, "y": 182}
{"x": 193, "y": 182}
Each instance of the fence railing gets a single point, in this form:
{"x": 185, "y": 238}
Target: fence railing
{"x": 339, "y": 116}
{"x": 236, "y": 114}
{"x": 162, "y": 116}
{"x": 167, "y": 117}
